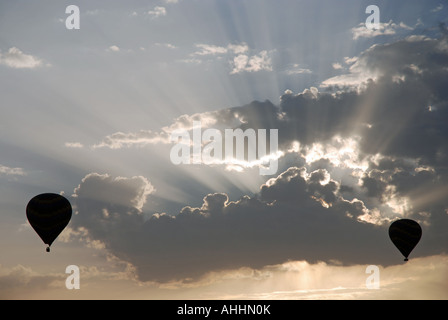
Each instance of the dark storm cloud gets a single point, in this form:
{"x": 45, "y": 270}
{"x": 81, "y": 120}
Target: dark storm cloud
{"x": 294, "y": 217}
{"x": 401, "y": 119}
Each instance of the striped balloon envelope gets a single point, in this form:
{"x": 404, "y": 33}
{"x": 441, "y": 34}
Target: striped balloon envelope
{"x": 405, "y": 234}
{"x": 48, "y": 214}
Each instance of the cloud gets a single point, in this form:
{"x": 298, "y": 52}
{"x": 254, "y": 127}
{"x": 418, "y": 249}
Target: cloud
{"x": 348, "y": 60}
{"x": 438, "y": 8}
{"x": 207, "y": 49}
{"x": 119, "y": 140}
{"x": 11, "y": 171}
{"x": 76, "y": 145}
{"x": 298, "y": 215}
{"x": 157, "y": 12}
{"x": 241, "y": 58}
{"x": 297, "y": 69}
{"x": 114, "y": 48}
{"x": 389, "y": 61}
{"x": 16, "y": 59}
{"x": 127, "y": 192}
{"x": 142, "y": 138}
{"x": 337, "y": 66}
{"x": 255, "y": 63}
{"x": 357, "y": 77}
{"x": 385, "y": 28}
{"x": 166, "y": 45}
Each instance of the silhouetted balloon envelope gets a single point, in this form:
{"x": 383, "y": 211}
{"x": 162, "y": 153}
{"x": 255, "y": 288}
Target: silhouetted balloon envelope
{"x": 48, "y": 214}
{"x": 405, "y": 234}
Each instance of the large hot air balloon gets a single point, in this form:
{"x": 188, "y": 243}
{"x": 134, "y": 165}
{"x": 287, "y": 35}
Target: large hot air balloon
{"x": 405, "y": 234}
{"x": 48, "y": 214}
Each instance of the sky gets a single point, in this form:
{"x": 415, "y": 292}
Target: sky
{"x": 361, "y": 117}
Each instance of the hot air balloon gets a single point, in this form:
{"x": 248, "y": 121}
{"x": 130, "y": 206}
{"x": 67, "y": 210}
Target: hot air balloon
{"x": 405, "y": 234}
{"x": 48, "y": 214}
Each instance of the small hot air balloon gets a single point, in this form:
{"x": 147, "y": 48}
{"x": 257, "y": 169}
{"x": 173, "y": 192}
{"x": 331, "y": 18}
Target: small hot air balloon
{"x": 405, "y": 234}
{"x": 48, "y": 214}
